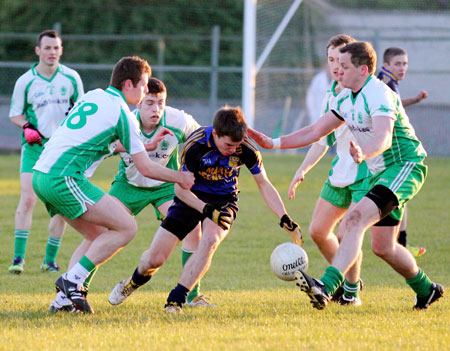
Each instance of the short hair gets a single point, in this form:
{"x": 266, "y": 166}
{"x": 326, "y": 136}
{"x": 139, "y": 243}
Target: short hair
{"x": 156, "y": 86}
{"x": 48, "y": 33}
{"x": 362, "y": 53}
{"x": 339, "y": 40}
{"x": 389, "y": 53}
{"x": 230, "y": 121}
{"x": 129, "y": 67}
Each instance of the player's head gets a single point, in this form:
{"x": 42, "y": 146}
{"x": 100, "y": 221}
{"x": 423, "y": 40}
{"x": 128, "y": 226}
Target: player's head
{"x": 153, "y": 105}
{"x": 357, "y": 61}
{"x": 49, "y": 48}
{"x": 230, "y": 128}
{"x": 130, "y": 75}
{"x": 396, "y": 61}
{"x": 333, "y": 46}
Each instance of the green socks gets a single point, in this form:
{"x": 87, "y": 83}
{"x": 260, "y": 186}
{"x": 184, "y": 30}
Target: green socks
{"x": 421, "y": 284}
{"x": 196, "y": 291}
{"x": 351, "y": 289}
{"x": 20, "y": 242}
{"x": 52, "y": 249}
{"x": 332, "y": 279}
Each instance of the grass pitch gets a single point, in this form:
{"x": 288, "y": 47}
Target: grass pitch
{"x": 256, "y": 310}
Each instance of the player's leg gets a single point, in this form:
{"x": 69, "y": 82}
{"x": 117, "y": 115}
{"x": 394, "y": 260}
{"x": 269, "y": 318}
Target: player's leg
{"x": 354, "y": 224}
{"x": 416, "y": 251}
{"x": 23, "y": 220}
{"x": 56, "y": 229}
{"x": 151, "y": 260}
{"x": 325, "y": 218}
{"x": 196, "y": 267}
{"x": 24, "y": 212}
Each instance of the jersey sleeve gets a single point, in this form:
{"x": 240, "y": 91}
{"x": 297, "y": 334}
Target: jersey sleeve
{"x": 79, "y": 89}
{"x": 128, "y": 133}
{"x": 251, "y": 157}
{"x": 190, "y": 126}
{"x": 18, "y": 98}
{"x": 384, "y": 104}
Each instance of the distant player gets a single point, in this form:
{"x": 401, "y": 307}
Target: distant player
{"x": 347, "y": 183}
{"x": 385, "y": 139}
{"x": 135, "y": 191}
{"x": 394, "y": 70}
{"x": 42, "y": 97}
{"x": 100, "y": 119}
{"x": 215, "y": 155}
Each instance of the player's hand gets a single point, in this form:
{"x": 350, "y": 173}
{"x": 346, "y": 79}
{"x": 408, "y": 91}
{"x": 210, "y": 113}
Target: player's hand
{"x": 421, "y": 95}
{"x": 159, "y": 136}
{"x": 31, "y": 134}
{"x": 292, "y": 228}
{"x": 261, "y": 139}
{"x": 187, "y": 180}
{"x": 298, "y": 178}
{"x": 356, "y": 152}
{"x": 223, "y": 217}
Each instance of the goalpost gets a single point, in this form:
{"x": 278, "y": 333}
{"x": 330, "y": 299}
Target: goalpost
{"x": 251, "y": 66}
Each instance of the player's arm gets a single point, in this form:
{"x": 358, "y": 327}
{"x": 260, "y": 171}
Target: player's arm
{"x": 154, "y": 170}
{"x": 273, "y": 200}
{"x": 414, "y": 100}
{"x": 159, "y": 136}
{"x": 382, "y": 127}
{"x": 301, "y": 138}
{"x": 313, "y": 156}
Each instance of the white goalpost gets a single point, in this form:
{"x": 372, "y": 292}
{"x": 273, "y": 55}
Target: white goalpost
{"x": 250, "y": 65}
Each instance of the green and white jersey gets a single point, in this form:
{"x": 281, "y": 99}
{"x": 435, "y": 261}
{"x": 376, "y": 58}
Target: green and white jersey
{"x": 377, "y": 99}
{"x": 87, "y": 134}
{"x": 345, "y": 171}
{"x": 45, "y": 102}
{"x": 166, "y": 153}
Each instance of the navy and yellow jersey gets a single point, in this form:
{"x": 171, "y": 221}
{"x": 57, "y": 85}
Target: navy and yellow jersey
{"x": 215, "y": 173}
{"x": 389, "y": 79}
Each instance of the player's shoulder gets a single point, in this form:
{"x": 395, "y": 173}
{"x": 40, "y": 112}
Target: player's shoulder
{"x": 250, "y": 145}
{"x": 67, "y": 71}
{"x": 175, "y": 117}
{"x": 26, "y": 77}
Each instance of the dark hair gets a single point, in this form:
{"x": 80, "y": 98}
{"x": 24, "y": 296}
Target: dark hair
{"x": 362, "y": 53}
{"x": 389, "y": 53}
{"x": 339, "y": 40}
{"x": 156, "y": 86}
{"x": 129, "y": 67}
{"x": 48, "y": 33}
{"x": 230, "y": 121}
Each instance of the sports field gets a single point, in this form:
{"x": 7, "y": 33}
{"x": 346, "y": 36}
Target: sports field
{"x": 257, "y": 311}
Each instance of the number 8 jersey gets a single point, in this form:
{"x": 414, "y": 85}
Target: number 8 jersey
{"x": 94, "y": 124}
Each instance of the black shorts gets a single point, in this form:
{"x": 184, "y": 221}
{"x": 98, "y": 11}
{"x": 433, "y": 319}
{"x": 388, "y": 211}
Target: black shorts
{"x": 182, "y": 219}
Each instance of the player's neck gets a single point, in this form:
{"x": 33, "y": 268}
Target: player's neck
{"x": 360, "y": 83}
{"x": 148, "y": 129}
{"x": 45, "y": 70}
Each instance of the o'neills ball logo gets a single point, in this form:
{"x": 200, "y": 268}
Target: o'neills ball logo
{"x": 297, "y": 263}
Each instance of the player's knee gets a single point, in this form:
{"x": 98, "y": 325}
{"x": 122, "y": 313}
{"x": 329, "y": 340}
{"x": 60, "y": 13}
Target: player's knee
{"x": 317, "y": 233}
{"x": 26, "y": 204}
{"x": 129, "y": 231}
{"x": 381, "y": 249}
{"x": 211, "y": 242}
{"x": 353, "y": 219}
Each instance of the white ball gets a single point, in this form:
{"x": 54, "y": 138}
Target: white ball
{"x": 287, "y": 258}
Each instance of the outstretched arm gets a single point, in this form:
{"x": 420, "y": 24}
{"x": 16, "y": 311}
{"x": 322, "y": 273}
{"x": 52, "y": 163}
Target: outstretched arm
{"x": 414, "y": 100}
{"x": 274, "y": 202}
{"x": 301, "y": 138}
{"x": 313, "y": 156}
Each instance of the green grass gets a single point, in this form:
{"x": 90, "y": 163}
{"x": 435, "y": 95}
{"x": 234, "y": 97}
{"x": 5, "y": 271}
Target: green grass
{"x": 256, "y": 310}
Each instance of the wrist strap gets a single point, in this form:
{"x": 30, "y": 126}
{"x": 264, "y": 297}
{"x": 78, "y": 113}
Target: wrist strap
{"x": 276, "y": 143}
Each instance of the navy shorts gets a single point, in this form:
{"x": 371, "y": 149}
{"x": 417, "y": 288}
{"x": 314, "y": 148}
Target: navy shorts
{"x": 182, "y": 219}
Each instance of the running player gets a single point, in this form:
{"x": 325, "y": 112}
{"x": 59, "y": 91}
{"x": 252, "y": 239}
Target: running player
{"x": 215, "y": 155}
{"x": 347, "y": 183}
{"x": 41, "y": 99}
{"x": 386, "y": 141}
{"x": 97, "y": 121}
